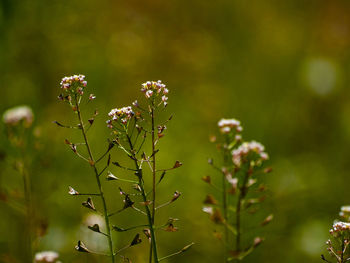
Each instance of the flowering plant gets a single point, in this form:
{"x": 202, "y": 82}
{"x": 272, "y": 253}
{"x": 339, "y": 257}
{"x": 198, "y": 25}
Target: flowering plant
{"x": 242, "y": 162}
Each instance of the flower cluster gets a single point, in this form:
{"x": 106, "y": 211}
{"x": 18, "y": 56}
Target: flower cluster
{"x": 345, "y": 212}
{"x": 227, "y": 125}
{"x": 18, "y": 114}
{"x": 122, "y": 114}
{"x": 246, "y": 148}
{"x": 151, "y": 88}
{"x": 339, "y": 227}
{"x": 75, "y": 80}
{"x": 46, "y": 257}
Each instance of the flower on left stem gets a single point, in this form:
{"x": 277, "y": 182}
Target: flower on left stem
{"x": 46, "y": 257}
{"x": 19, "y": 115}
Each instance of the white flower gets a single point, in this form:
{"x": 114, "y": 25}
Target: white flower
{"x": 208, "y": 209}
{"x": 244, "y": 149}
{"x": 226, "y": 125}
{"x": 67, "y": 82}
{"x": 46, "y": 257}
{"x": 120, "y": 114}
{"x": 15, "y": 115}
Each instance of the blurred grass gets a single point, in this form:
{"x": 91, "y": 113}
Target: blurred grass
{"x": 279, "y": 66}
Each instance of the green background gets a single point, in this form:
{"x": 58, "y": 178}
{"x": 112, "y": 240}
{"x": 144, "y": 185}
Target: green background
{"x": 281, "y": 67}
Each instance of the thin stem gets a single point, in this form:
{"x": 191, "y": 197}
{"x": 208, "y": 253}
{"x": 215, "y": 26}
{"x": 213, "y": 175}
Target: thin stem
{"x": 29, "y": 208}
{"x": 153, "y": 244}
{"x": 153, "y": 248}
{"x": 242, "y": 194}
{"x": 105, "y": 211}
{"x": 224, "y": 202}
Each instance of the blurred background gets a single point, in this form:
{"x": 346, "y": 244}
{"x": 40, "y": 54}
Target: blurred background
{"x": 281, "y": 67}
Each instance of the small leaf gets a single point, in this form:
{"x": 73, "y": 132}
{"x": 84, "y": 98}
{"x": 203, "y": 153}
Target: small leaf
{"x": 109, "y": 160}
{"x": 136, "y": 240}
{"x": 206, "y": 179}
{"x": 95, "y": 228}
{"x": 187, "y": 247}
{"x": 170, "y": 228}
{"x": 177, "y": 164}
{"x": 81, "y": 247}
{"x": 210, "y": 200}
{"x": 118, "y": 229}
{"x": 111, "y": 177}
{"x": 176, "y": 195}
{"x": 128, "y": 202}
{"x": 72, "y": 191}
{"x": 89, "y": 204}
{"x": 162, "y": 176}
{"x": 58, "y": 124}
{"x": 148, "y": 202}
{"x": 116, "y": 164}
{"x": 267, "y": 220}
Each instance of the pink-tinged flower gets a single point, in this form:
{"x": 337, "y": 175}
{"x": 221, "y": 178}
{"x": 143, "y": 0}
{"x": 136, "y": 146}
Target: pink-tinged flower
{"x": 149, "y": 93}
{"x": 228, "y": 125}
{"x": 339, "y": 227}
{"x": 240, "y": 154}
{"x": 122, "y": 114}
{"x": 153, "y": 88}
{"x": 16, "y": 115}
{"x": 75, "y": 81}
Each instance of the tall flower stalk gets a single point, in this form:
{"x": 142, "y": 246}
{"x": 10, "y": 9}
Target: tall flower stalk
{"x": 338, "y": 244}
{"x": 241, "y": 164}
{"x": 18, "y": 123}
{"x": 130, "y": 128}
{"x": 73, "y": 91}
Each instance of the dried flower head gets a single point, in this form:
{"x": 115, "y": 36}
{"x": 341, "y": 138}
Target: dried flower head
{"x": 229, "y": 125}
{"x": 240, "y": 154}
{"x": 75, "y": 83}
{"x": 155, "y": 88}
{"x": 47, "y": 257}
{"x": 17, "y": 115}
{"x": 122, "y": 115}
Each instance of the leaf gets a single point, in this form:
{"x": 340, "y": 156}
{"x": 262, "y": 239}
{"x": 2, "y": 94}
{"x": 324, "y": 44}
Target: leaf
{"x": 267, "y": 220}
{"x": 210, "y": 200}
{"x": 95, "y": 228}
{"x": 177, "y": 194}
{"x": 118, "y": 229}
{"x": 136, "y": 240}
{"x": 72, "y": 191}
{"x": 81, "y": 247}
{"x": 111, "y": 177}
{"x": 177, "y": 164}
{"x": 89, "y": 204}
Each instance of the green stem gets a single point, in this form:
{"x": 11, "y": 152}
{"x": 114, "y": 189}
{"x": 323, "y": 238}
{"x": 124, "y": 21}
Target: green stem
{"x": 242, "y": 193}
{"x": 153, "y": 247}
{"x": 154, "y": 243}
{"x": 105, "y": 211}
{"x": 224, "y": 203}
{"x": 29, "y": 208}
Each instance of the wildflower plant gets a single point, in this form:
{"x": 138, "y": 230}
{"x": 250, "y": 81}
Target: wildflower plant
{"x": 73, "y": 90}
{"x": 338, "y": 244}
{"x": 133, "y": 128}
{"x": 18, "y": 124}
{"x": 240, "y": 168}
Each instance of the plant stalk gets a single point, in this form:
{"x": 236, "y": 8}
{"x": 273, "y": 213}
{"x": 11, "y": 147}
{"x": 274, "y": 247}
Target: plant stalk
{"x": 105, "y": 210}
{"x": 153, "y": 246}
